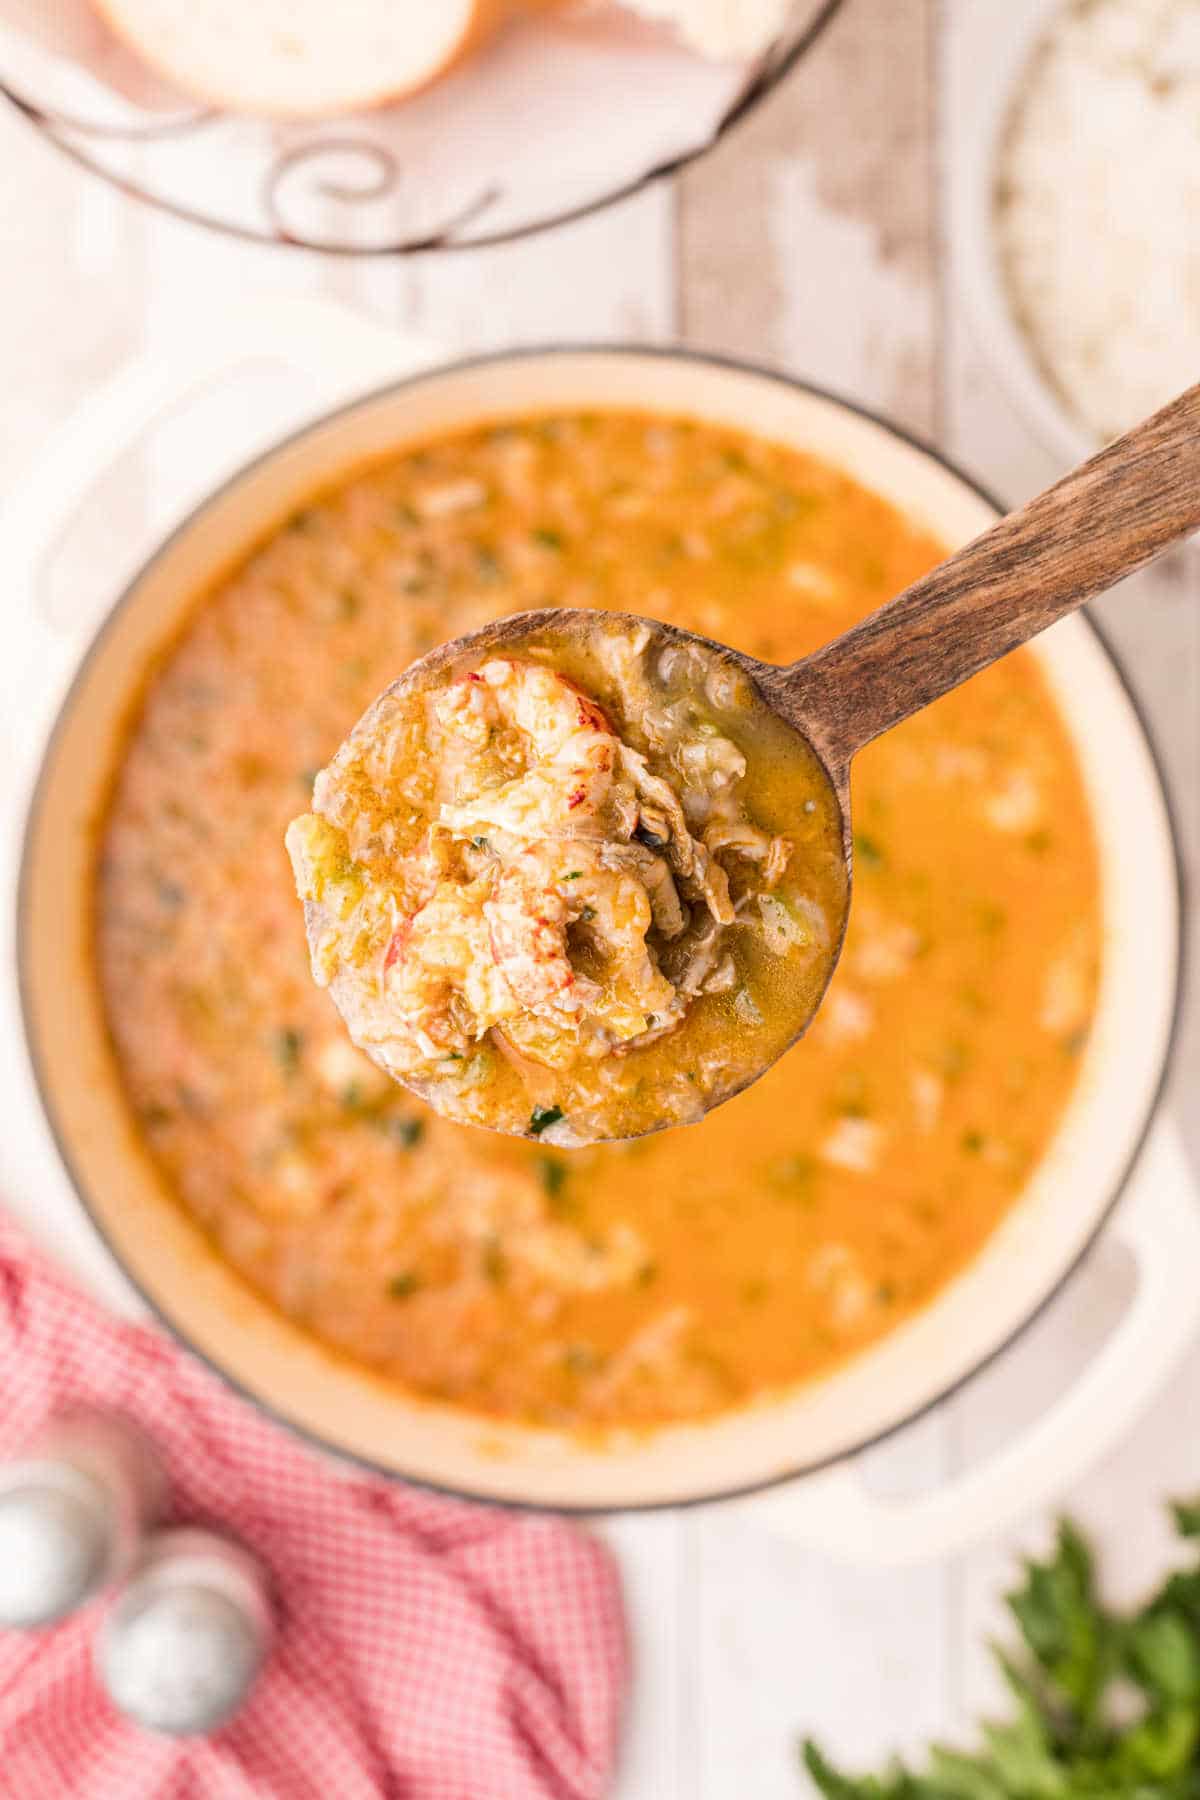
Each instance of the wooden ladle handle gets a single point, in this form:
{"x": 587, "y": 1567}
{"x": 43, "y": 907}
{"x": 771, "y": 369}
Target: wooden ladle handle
{"x": 1102, "y": 521}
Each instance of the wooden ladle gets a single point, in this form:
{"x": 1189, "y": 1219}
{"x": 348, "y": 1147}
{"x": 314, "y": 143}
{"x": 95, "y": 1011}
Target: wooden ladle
{"x": 1105, "y": 520}
{"x": 1101, "y": 522}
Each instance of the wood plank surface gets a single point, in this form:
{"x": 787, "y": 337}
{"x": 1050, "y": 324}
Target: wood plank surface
{"x": 815, "y": 238}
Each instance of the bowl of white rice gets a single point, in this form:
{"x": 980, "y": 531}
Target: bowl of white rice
{"x": 1079, "y": 208}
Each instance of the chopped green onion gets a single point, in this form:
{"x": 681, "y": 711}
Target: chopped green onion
{"x": 408, "y": 1132}
{"x": 287, "y": 1045}
{"x": 401, "y": 1286}
{"x": 553, "y": 1173}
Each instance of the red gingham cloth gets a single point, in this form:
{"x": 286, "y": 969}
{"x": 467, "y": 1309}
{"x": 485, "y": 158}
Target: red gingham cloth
{"x": 427, "y": 1649}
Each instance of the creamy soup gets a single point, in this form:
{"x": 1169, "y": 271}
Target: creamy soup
{"x": 578, "y": 890}
{"x": 686, "y": 1272}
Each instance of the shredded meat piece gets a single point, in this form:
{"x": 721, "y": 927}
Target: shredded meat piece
{"x": 744, "y": 839}
{"x": 652, "y": 871}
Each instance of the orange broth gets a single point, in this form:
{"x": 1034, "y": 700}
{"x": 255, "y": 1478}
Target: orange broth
{"x": 684, "y": 1273}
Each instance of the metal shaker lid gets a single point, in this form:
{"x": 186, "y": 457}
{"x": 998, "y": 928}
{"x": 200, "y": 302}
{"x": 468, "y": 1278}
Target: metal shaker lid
{"x": 55, "y": 1548}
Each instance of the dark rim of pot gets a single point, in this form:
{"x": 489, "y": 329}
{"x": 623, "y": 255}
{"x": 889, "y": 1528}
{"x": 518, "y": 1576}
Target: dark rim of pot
{"x": 736, "y": 1491}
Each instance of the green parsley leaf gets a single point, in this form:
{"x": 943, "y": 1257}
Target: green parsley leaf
{"x": 1106, "y": 1705}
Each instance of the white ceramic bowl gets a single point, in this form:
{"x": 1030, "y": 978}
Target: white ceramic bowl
{"x": 1003, "y": 35}
{"x": 340, "y": 1406}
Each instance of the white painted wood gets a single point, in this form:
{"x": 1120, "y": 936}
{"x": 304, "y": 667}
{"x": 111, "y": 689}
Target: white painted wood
{"x": 1155, "y": 624}
{"x": 809, "y": 242}
{"x": 809, "y": 239}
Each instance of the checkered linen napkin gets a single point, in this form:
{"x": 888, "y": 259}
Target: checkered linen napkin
{"x": 427, "y": 1649}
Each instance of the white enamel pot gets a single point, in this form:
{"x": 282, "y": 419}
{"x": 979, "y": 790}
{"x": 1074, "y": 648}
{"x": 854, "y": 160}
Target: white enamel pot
{"x": 821, "y": 1427}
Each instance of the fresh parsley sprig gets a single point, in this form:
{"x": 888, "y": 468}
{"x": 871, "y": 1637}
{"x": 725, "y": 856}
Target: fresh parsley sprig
{"x": 1074, "y": 1734}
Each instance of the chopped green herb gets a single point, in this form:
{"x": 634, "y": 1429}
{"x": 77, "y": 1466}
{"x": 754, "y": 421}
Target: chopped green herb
{"x": 587, "y": 914}
{"x": 494, "y": 1263}
{"x": 403, "y": 1131}
{"x": 548, "y": 538}
{"x": 401, "y": 1286}
{"x": 747, "y": 1008}
{"x": 552, "y": 1171}
{"x": 851, "y": 1095}
{"x": 792, "y": 1177}
{"x": 954, "y": 1060}
{"x": 867, "y": 850}
{"x": 352, "y": 1097}
{"x": 542, "y": 1117}
{"x": 973, "y": 1142}
{"x": 287, "y": 1044}
{"x": 574, "y": 875}
{"x": 480, "y": 843}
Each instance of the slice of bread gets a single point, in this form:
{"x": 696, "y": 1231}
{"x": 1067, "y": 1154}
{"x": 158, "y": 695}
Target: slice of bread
{"x": 298, "y": 59}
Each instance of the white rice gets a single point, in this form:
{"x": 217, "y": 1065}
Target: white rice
{"x": 1098, "y": 206}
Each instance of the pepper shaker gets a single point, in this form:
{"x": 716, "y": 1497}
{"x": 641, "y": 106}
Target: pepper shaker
{"x": 73, "y": 1510}
{"x": 184, "y": 1644}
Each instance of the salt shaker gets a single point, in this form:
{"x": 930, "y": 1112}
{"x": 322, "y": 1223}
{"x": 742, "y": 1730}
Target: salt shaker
{"x": 73, "y": 1510}
{"x": 183, "y": 1646}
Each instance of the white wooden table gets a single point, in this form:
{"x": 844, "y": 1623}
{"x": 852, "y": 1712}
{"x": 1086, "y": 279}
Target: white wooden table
{"x": 810, "y": 240}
